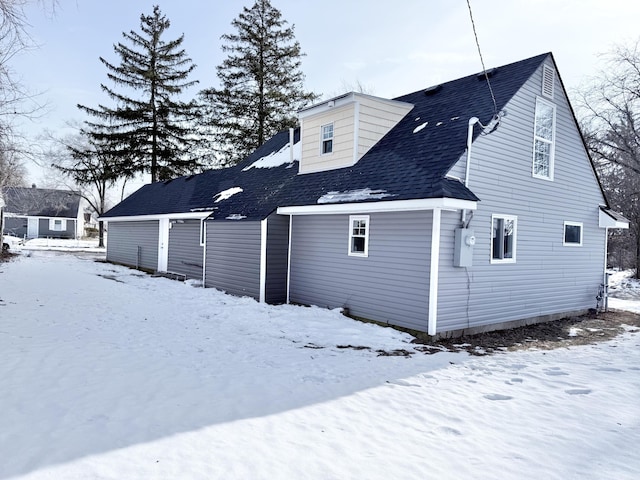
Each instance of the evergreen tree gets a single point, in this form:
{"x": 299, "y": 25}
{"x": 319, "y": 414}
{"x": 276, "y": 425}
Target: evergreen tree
{"x": 149, "y": 133}
{"x": 261, "y": 82}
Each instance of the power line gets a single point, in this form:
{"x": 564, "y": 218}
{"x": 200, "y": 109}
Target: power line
{"x": 484, "y": 69}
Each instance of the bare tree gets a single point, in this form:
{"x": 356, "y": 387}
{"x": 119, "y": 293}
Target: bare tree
{"x": 610, "y": 111}
{"x": 92, "y": 169}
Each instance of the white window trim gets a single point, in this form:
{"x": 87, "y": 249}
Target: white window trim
{"x": 63, "y": 224}
{"x": 353, "y": 218}
{"x": 322, "y": 139}
{"x": 564, "y": 233}
{"x": 552, "y": 152}
{"x": 515, "y": 239}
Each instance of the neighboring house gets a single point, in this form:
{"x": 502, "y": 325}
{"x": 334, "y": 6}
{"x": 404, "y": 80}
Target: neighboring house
{"x": 39, "y": 213}
{"x": 438, "y": 211}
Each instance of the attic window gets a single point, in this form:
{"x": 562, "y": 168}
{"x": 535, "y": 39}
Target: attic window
{"x": 548, "y": 76}
{"x": 326, "y": 138}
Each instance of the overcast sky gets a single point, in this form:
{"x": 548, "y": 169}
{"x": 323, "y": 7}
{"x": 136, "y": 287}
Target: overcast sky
{"x": 390, "y": 47}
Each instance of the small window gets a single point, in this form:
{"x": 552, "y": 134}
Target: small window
{"x": 359, "y": 235}
{"x": 572, "y": 234}
{"x": 327, "y": 139}
{"x": 57, "y": 224}
{"x": 543, "y": 139}
{"x": 503, "y": 238}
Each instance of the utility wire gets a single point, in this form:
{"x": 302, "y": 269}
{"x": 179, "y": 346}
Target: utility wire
{"x": 475, "y": 34}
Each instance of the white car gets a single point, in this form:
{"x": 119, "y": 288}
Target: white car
{"x": 9, "y": 242}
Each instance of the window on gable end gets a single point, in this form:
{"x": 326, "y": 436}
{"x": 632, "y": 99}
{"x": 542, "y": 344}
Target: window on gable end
{"x": 326, "y": 138}
{"x": 544, "y": 139}
{"x": 503, "y": 238}
{"x": 359, "y": 235}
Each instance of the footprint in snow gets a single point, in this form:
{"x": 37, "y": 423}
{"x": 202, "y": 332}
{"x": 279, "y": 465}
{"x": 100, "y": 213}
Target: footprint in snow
{"x": 554, "y": 371}
{"x": 450, "y": 431}
{"x": 608, "y": 369}
{"x": 578, "y": 391}
{"x": 497, "y": 396}
{"x": 514, "y": 380}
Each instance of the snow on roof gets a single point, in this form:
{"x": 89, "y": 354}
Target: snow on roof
{"x": 420, "y": 127}
{"x": 353, "y": 195}
{"x": 236, "y": 216}
{"x": 223, "y": 195}
{"x": 277, "y": 158}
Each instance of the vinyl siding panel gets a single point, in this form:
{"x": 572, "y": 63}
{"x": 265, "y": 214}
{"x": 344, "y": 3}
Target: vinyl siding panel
{"x": 376, "y": 119}
{"x": 16, "y": 226}
{"x": 548, "y": 278}
{"x": 343, "y": 132}
{"x": 233, "y": 257}
{"x": 390, "y": 285}
{"x": 277, "y": 258}
{"x": 44, "y": 231}
{"x": 134, "y": 244}
{"x": 185, "y": 251}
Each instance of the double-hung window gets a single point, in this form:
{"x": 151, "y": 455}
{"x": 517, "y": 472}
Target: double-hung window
{"x": 326, "y": 137}
{"x": 543, "y": 139}
{"x": 503, "y": 238}
{"x": 57, "y": 224}
{"x": 359, "y": 235}
{"x": 572, "y": 234}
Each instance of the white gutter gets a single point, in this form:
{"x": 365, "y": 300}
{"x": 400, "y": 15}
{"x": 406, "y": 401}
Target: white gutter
{"x": 433, "y": 273}
{"x": 138, "y": 218}
{"x": 373, "y": 207}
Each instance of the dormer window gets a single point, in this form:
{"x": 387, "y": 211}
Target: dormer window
{"x": 326, "y": 139}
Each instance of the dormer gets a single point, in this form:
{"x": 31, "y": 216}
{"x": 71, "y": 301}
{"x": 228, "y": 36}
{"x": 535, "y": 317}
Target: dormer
{"x": 338, "y": 132}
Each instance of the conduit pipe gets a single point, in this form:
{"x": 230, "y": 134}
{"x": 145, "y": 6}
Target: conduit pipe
{"x": 472, "y": 122}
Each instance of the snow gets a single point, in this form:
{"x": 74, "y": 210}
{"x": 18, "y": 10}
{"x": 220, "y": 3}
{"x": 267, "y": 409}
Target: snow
{"x": 225, "y": 194}
{"x": 353, "y": 195}
{"x": 109, "y": 373}
{"x": 236, "y": 216}
{"x": 278, "y": 158}
{"x": 420, "y": 127}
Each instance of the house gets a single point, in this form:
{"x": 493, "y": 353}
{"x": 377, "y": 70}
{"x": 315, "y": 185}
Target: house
{"x": 39, "y": 212}
{"x": 468, "y": 206}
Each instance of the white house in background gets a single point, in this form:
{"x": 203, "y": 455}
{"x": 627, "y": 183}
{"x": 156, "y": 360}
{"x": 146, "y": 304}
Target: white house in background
{"x": 440, "y": 211}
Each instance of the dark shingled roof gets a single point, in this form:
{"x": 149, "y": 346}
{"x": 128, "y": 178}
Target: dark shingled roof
{"x": 41, "y": 202}
{"x": 407, "y": 163}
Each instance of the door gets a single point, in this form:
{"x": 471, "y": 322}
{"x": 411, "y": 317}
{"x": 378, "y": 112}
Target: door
{"x": 32, "y": 228}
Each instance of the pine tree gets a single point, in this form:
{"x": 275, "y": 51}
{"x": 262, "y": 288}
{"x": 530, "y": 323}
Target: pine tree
{"x": 261, "y": 82}
{"x": 150, "y": 132}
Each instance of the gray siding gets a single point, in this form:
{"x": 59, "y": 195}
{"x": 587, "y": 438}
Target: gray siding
{"x": 277, "y": 257}
{"x": 390, "y": 285}
{"x": 547, "y": 278}
{"x": 44, "y": 231}
{"x": 233, "y": 257}
{"x": 123, "y": 241}
{"x": 185, "y": 251}
{"x": 16, "y": 226}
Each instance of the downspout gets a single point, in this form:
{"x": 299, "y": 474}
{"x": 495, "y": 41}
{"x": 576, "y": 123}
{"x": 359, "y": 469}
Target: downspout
{"x": 289, "y": 257}
{"x": 472, "y": 122}
{"x": 263, "y": 260}
{"x": 203, "y": 225}
{"x": 433, "y": 274}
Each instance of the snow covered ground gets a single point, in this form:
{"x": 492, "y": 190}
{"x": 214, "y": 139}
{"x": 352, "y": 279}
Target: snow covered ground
{"x": 108, "y": 373}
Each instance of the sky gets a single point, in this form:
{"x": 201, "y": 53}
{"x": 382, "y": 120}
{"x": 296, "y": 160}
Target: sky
{"x": 390, "y": 48}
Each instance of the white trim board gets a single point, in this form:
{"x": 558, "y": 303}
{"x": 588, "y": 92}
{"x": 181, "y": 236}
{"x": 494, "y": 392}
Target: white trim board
{"x": 138, "y": 218}
{"x": 372, "y": 207}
